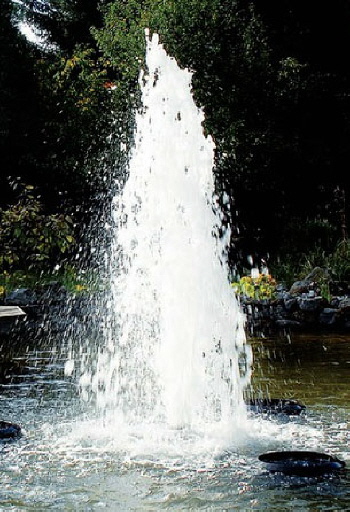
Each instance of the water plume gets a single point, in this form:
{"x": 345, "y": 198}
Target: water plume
{"x": 176, "y": 355}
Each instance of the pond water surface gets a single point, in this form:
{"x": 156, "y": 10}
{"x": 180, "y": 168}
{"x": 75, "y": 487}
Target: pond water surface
{"x": 69, "y": 459}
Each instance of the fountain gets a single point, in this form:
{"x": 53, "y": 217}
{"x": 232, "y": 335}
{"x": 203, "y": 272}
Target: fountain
{"x": 177, "y": 355}
{"x": 152, "y": 416}
{"x": 175, "y": 365}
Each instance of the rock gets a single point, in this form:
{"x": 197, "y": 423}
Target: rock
{"x": 9, "y": 430}
{"x": 291, "y": 304}
{"x": 281, "y": 287}
{"x": 316, "y": 275}
{"x": 310, "y": 304}
{"x": 21, "y": 297}
{"x": 334, "y": 302}
{"x": 275, "y": 406}
{"x": 328, "y": 316}
{"x": 287, "y": 323}
{"x": 344, "y": 303}
{"x": 299, "y": 287}
{"x": 283, "y": 295}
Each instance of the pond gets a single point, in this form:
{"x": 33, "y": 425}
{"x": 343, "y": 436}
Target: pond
{"x": 70, "y": 459}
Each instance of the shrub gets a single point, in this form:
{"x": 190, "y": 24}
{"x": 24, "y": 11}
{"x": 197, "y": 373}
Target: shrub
{"x": 29, "y": 238}
{"x": 261, "y": 287}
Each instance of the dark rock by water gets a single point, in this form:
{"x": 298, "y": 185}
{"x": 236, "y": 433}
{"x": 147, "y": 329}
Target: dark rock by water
{"x": 21, "y": 297}
{"x": 275, "y": 406}
{"x": 9, "y": 430}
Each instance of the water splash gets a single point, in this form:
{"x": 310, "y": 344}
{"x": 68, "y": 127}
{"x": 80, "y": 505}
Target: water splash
{"x": 176, "y": 355}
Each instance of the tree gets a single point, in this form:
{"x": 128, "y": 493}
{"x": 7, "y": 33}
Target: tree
{"x": 31, "y": 239}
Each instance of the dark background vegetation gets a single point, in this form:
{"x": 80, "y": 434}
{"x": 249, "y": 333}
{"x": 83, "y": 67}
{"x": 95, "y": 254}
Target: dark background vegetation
{"x": 270, "y": 75}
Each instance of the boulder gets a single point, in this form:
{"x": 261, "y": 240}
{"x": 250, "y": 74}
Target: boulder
{"x": 317, "y": 275}
{"x": 9, "y": 430}
{"x": 310, "y": 304}
{"x": 329, "y": 316}
{"x": 21, "y": 297}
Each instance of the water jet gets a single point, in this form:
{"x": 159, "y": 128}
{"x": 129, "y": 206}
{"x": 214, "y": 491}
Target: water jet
{"x": 178, "y": 354}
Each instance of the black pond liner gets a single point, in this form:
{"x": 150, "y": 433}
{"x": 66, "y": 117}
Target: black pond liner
{"x": 275, "y": 406}
{"x": 9, "y": 430}
{"x": 301, "y": 463}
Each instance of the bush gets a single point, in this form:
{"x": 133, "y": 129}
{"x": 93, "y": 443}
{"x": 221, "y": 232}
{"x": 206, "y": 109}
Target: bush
{"x": 29, "y": 238}
{"x": 259, "y": 288}
{"x": 337, "y": 262}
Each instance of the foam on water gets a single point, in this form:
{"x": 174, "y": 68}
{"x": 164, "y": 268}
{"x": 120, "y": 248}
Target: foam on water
{"x": 176, "y": 357}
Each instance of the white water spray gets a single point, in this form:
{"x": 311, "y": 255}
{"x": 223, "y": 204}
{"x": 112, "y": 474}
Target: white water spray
{"x": 177, "y": 355}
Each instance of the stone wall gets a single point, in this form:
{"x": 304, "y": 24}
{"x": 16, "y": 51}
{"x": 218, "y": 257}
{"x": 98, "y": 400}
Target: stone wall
{"x": 302, "y": 307}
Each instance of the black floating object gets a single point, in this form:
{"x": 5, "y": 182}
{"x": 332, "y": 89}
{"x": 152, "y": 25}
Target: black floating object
{"x": 9, "y": 430}
{"x": 276, "y": 406}
{"x": 301, "y": 463}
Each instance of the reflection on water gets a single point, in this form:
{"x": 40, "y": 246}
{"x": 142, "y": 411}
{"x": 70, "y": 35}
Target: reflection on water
{"x": 314, "y": 369}
{"x": 68, "y": 462}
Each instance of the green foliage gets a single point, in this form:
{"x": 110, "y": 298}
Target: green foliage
{"x": 76, "y": 117}
{"x": 17, "y": 279}
{"x": 31, "y": 239}
{"x": 286, "y": 269}
{"x": 81, "y": 78}
{"x": 259, "y": 288}
{"x": 225, "y": 45}
{"x": 303, "y": 237}
{"x": 68, "y": 276}
{"x": 304, "y": 246}
{"x": 122, "y": 42}
{"x": 73, "y": 116}
{"x": 297, "y": 266}
{"x": 339, "y": 261}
